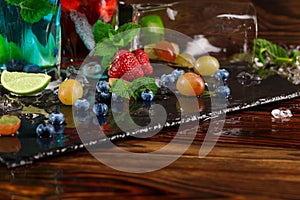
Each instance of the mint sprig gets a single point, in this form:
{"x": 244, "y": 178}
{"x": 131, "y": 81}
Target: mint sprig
{"x": 139, "y": 85}
{"x": 135, "y": 88}
{"x": 269, "y": 57}
{"x": 109, "y": 41}
{"x": 33, "y": 11}
{"x": 120, "y": 88}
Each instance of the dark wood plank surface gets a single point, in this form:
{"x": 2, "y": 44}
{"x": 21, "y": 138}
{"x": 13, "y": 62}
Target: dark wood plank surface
{"x": 256, "y": 157}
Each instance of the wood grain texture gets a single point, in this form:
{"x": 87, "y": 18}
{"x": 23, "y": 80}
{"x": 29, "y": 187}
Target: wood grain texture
{"x": 256, "y": 156}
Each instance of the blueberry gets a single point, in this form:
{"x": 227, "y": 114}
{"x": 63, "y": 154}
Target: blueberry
{"x": 55, "y": 52}
{"x": 177, "y": 73}
{"x": 82, "y": 116}
{"x": 100, "y": 109}
{"x": 82, "y": 104}
{"x": 102, "y": 86}
{"x": 147, "y": 95}
{"x": 59, "y": 128}
{"x": 167, "y": 79}
{"x": 222, "y": 74}
{"x": 223, "y": 91}
{"x": 45, "y": 130}
{"x": 103, "y": 96}
{"x": 14, "y": 65}
{"x": 100, "y": 120}
{"x": 55, "y": 92}
{"x": 147, "y": 104}
{"x": 32, "y": 69}
{"x": 56, "y": 118}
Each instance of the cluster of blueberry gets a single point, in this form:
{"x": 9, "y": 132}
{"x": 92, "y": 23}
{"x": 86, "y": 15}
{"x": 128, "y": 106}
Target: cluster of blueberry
{"x": 54, "y": 126}
{"x": 169, "y": 80}
{"x": 16, "y": 65}
{"x": 222, "y": 76}
{"x": 100, "y": 108}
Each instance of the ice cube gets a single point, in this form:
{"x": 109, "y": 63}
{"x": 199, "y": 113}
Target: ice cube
{"x": 84, "y": 29}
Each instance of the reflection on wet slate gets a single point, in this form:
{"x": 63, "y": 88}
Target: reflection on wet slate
{"x": 26, "y": 147}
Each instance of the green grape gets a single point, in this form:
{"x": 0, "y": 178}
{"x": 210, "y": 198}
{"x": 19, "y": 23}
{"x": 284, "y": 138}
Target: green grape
{"x": 206, "y": 65}
{"x": 190, "y": 84}
{"x": 185, "y": 60}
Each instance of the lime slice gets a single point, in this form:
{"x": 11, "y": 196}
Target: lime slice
{"x": 24, "y": 83}
{"x": 155, "y": 29}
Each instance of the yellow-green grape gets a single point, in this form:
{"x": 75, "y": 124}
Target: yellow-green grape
{"x": 69, "y": 91}
{"x": 185, "y": 60}
{"x": 206, "y": 65}
{"x": 190, "y": 84}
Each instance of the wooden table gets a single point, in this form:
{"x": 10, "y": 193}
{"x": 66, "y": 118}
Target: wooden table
{"x": 257, "y": 157}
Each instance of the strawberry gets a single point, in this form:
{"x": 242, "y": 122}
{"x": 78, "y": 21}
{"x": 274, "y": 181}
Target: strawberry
{"x": 144, "y": 61}
{"x": 126, "y": 66}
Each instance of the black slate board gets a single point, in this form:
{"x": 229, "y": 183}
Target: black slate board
{"x": 25, "y": 148}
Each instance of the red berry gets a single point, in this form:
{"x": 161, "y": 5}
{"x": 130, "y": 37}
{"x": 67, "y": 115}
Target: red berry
{"x": 165, "y": 51}
{"x": 144, "y": 61}
{"x": 107, "y": 9}
{"x": 125, "y": 66}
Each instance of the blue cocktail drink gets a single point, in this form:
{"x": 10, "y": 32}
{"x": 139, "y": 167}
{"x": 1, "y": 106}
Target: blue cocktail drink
{"x": 30, "y": 35}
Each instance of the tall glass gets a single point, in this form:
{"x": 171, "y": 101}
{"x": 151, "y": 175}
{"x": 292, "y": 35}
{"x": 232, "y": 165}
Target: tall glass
{"x": 30, "y": 36}
{"x": 78, "y": 18}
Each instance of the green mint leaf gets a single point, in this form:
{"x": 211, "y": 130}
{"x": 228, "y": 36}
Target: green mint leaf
{"x": 106, "y": 61}
{"x": 127, "y": 27}
{"x": 120, "y": 88}
{"x": 271, "y": 57}
{"x": 33, "y": 11}
{"x": 14, "y": 2}
{"x": 105, "y": 49}
{"x": 102, "y": 31}
{"x": 264, "y": 49}
{"x": 127, "y": 33}
{"x": 139, "y": 85}
{"x": 135, "y": 88}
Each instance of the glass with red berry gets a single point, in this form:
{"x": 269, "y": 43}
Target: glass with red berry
{"x": 77, "y": 20}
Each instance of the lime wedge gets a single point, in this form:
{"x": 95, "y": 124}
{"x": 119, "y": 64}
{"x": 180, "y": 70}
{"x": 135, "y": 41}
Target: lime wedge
{"x": 155, "y": 29}
{"x": 24, "y": 83}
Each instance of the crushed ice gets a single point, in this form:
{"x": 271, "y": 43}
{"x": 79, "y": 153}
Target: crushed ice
{"x": 83, "y": 29}
{"x": 172, "y": 13}
{"x": 281, "y": 113}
